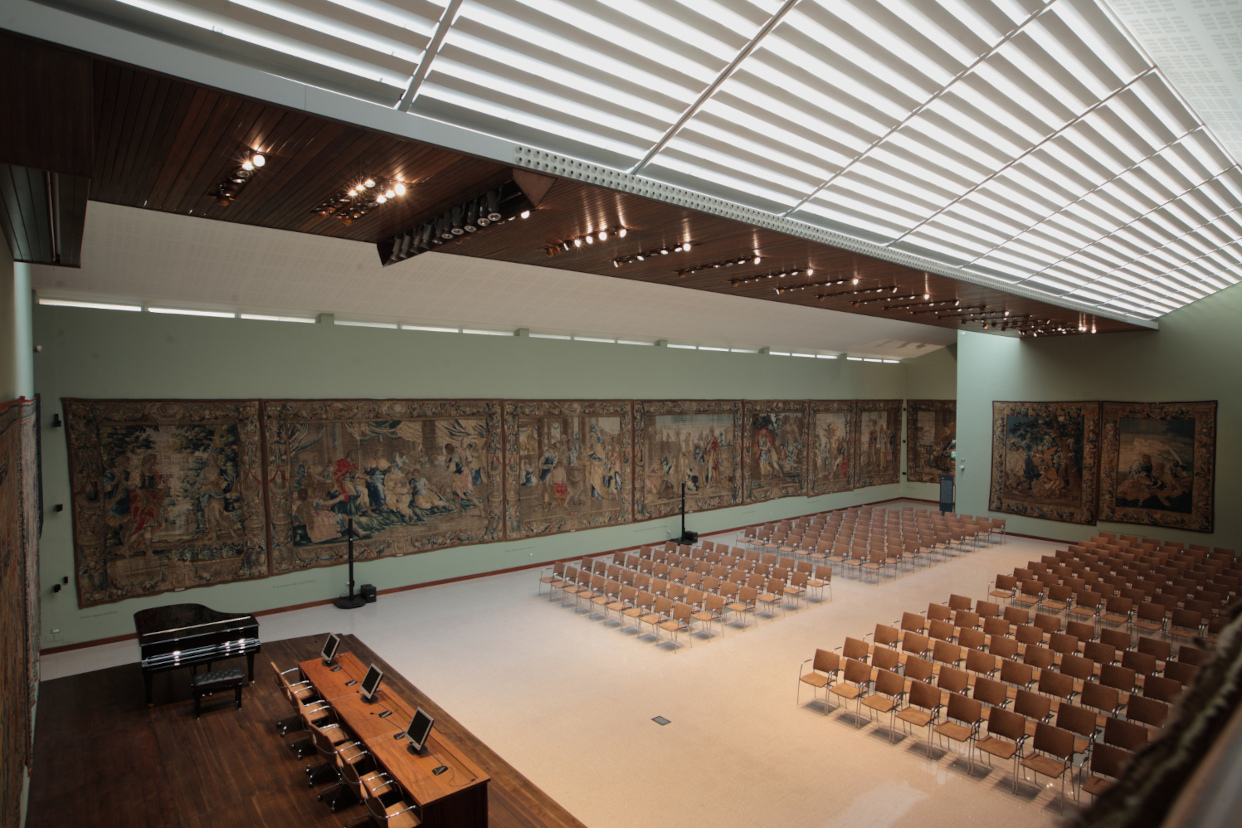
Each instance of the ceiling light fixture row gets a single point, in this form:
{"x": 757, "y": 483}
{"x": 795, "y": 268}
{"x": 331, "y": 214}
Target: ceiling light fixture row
{"x": 682, "y": 247}
{"x": 502, "y": 204}
{"x": 238, "y": 178}
{"x": 740, "y": 260}
{"x": 913, "y": 306}
{"x": 578, "y": 242}
{"x": 364, "y": 195}
{"x": 862, "y": 292}
{"x": 860, "y": 302}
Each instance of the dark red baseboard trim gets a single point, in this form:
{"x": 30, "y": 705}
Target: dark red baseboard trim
{"x": 128, "y": 636}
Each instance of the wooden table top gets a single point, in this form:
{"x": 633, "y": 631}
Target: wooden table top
{"x": 413, "y": 773}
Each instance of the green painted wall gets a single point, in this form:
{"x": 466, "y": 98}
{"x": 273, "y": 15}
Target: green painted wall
{"x": 16, "y": 365}
{"x": 110, "y": 354}
{"x": 1194, "y": 356}
{"x": 930, "y": 377}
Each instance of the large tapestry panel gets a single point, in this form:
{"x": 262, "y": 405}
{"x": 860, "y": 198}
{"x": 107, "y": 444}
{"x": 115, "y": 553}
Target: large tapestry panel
{"x": 878, "y": 443}
{"x": 776, "y": 441}
{"x": 1045, "y": 460}
{"x": 831, "y": 451}
{"x": 14, "y": 704}
{"x": 166, "y": 494}
{"x": 412, "y": 475}
{"x": 931, "y": 437}
{"x": 697, "y": 443}
{"x": 1158, "y": 464}
{"x": 568, "y": 466}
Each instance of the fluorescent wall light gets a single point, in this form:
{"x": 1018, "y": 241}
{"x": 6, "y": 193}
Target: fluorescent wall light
{"x": 869, "y": 359}
{"x": 779, "y": 353}
{"x": 73, "y": 303}
{"x": 485, "y": 332}
{"x": 550, "y": 336}
{"x": 805, "y": 356}
{"x": 744, "y": 350}
{"x": 594, "y": 339}
{"x": 892, "y": 362}
{"x": 684, "y": 347}
{"x": 190, "y": 312}
{"x": 431, "y": 328}
{"x": 854, "y": 359}
{"x": 356, "y": 323}
{"x": 633, "y": 342}
{"x": 259, "y": 317}
{"x": 825, "y": 356}
{"x": 712, "y": 348}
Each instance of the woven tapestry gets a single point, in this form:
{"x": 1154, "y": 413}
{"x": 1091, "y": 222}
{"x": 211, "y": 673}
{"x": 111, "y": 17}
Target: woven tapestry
{"x": 411, "y": 476}
{"x": 696, "y": 443}
{"x": 775, "y": 437}
{"x": 1158, "y": 464}
{"x": 568, "y": 466}
{"x": 32, "y": 527}
{"x": 877, "y": 445}
{"x": 931, "y": 439}
{"x": 1045, "y": 460}
{"x": 831, "y": 446}
{"x": 14, "y": 701}
{"x": 167, "y": 494}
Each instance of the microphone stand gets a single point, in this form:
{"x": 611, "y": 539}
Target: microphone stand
{"x": 350, "y": 601}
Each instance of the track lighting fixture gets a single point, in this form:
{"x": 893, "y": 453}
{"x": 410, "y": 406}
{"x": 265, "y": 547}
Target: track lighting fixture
{"x": 602, "y": 235}
{"x": 237, "y": 178}
{"x": 504, "y": 203}
{"x": 680, "y": 247}
{"x": 366, "y": 193}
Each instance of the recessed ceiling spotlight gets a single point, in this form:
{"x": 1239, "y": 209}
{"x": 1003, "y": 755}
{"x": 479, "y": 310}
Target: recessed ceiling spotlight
{"x": 685, "y": 245}
{"x": 758, "y": 259}
{"x": 603, "y": 235}
{"x": 526, "y": 214}
{"x": 590, "y": 240}
{"x": 622, "y": 232}
{"x": 369, "y": 183}
{"x": 399, "y": 188}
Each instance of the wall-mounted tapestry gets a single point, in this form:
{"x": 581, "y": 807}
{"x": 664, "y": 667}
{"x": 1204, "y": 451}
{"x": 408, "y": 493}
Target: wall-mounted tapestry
{"x": 774, "y": 464}
{"x": 831, "y": 450}
{"x": 14, "y": 699}
{"x": 1045, "y": 460}
{"x": 32, "y": 528}
{"x": 697, "y": 443}
{"x": 412, "y": 475}
{"x": 1158, "y": 464}
{"x": 931, "y": 435}
{"x": 567, "y": 466}
{"x": 878, "y": 443}
{"x": 166, "y": 494}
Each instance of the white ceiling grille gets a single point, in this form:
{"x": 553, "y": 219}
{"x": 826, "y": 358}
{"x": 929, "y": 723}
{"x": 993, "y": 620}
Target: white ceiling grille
{"x": 1025, "y": 143}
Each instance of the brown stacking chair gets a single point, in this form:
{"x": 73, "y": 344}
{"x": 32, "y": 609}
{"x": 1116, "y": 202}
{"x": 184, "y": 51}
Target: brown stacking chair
{"x": 1016, "y": 616}
{"x": 1148, "y": 711}
{"x": 913, "y": 622}
{"x": 1003, "y": 648}
{"x": 1191, "y": 655}
{"x": 856, "y": 677}
{"x": 939, "y": 612}
{"x": 1162, "y": 689}
{"x": 997, "y": 627}
{"x": 1063, "y": 644}
{"x": 1151, "y": 617}
{"x": 1129, "y": 735}
{"x": 1084, "y": 631}
{"x": 1006, "y": 733}
{"x": 889, "y": 687}
{"x": 951, "y": 680}
{"x": 1099, "y": 652}
{"x": 981, "y": 663}
{"x": 1108, "y": 762}
{"x": 1079, "y": 721}
{"x": 963, "y": 716}
{"x": 1142, "y": 663}
{"x": 744, "y": 603}
{"x": 1041, "y": 658}
{"x": 914, "y": 644}
{"x": 987, "y": 609}
{"x": 1107, "y": 700}
{"x": 1116, "y": 638}
{"x": 1052, "y": 755}
{"x": 1059, "y": 598}
{"x": 855, "y": 648}
{"x": 991, "y": 692}
{"x": 1079, "y": 668}
{"x": 1017, "y": 674}
{"x": 1056, "y": 685}
{"x": 1028, "y": 636}
{"x": 941, "y": 630}
{"x": 923, "y": 709}
{"x": 1162, "y": 650}
{"x": 1004, "y": 587}
{"x": 1030, "y": 594}
{"x": 1118, "y": 611}
{"x": 825, "y": 665}
{"x": 972, "y": 639}
{"x": 1180, "y": 671}
{"x": 960, "y": 602}
{"x": 1048, "y": 623}
{"x": 1185, "y": 623}
{"x": 945, "y": 653}
{"x": 1034, "y": 707}
{"x": 1087, "y": 604}
{"x": 884, "y": 658}
{"x": 1123, "y": 678}
{"x": 919, "y": 670}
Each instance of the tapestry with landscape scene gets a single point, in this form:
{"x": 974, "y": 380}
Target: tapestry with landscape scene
{"x": 408, "y": 475}
{"x": 1045, "y": 460}
{"x": 1158, "y": 464}
{"x": 567, "y": 466}
{"x": 166, "y": 494}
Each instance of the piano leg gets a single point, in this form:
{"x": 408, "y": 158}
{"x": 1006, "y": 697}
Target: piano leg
{"x": 250, "y": 664}
{"x": 146, "y": 678}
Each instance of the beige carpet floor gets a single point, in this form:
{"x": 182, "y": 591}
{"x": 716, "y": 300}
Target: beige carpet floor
{"x": 570, "y": 701}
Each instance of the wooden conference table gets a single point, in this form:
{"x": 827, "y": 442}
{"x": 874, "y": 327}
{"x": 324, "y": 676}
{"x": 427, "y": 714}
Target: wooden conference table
{"x": 456, "y": 797}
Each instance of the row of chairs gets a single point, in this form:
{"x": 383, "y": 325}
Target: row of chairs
{"x": 1122, "y": 590}
{"x": 346, "y": 773}
{"x": 1036, "y": 689}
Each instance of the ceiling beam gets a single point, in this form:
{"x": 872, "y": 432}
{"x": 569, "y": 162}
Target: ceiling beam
{"x": 429, "y": 55}
{"x": 707, "y": 93}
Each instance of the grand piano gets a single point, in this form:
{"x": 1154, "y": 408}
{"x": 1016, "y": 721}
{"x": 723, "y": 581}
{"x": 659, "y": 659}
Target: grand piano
{"x": 186, "y": 635}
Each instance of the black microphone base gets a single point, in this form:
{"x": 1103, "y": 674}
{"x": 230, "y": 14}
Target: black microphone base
{"x": 349, "y": 602}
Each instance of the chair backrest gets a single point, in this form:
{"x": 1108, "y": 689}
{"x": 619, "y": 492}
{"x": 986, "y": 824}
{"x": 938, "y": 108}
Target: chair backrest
{"x": 1116, "y": 638}
{"x": 1029, "y": 634}
{"x": 987, "y": 609}
{"x": 1142, "y": 663}
{"x": 913, "y": 622}
{"x": 1102, "y": 698}
{"x": 1048, "y": 623}
{"x": 941, "y": 630}
{"x": 1007, "y": 723}
{"x": 1162, "y": 650}
{"x": 1180, "y": 671}
{"x": 1109, "y": 760}
{"x": 885, "y": 659}
{"x": 1041, "y": 658}
{"x": 1054, "y": 741}
{"x": 997, "y": 626}
{"x": 886, "y": 636}
{"x": 1191, "y": 655}
{"x": 1076, "y": 719}
{"x": 964, "y": 709}
{"x": 1002, "y": 647}
{"x": 1056, "y": 684}
{"x": 938, "y": 612}
{"x": 1032, "y": 705}
{"x": 980, "y": 662}
{"x": 972, "y": 639}
{"x": 959, "y": 602}
{"x": 946, "y": 653}
{"x": 919, "y": 669}
{"x": 1162, "y": 688}
{"x": 912, "y": 642}
{"x": 1125, "y": 734}
{"x": 857, "y": 672}
{"x": 855, "y": 648}
{"x": 1078, "y": 667}
{"x": 1114, "y": 675}
{"x": 991, "y": 692}
{"x": 1099, "y": 652}
{"x": 1063, "y": 643}
{"x": 1081, "y": 630}
{"x": 924, "y": 695}
{"x": 953, "y": 680}
{"x": 889, "y": 683}
{"x": 826, "y": 661}
{"x": 1148, "y": 711}
{"x": 1016, "y": 673}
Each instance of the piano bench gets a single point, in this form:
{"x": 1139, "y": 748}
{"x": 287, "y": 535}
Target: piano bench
{"x": 208, "y": 683}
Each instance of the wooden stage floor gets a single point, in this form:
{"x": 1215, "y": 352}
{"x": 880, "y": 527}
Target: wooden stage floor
{"x": 102, "y": 758}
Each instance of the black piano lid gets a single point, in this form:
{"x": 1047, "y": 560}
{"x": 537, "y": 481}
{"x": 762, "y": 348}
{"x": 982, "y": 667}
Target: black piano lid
{"x": 178, "y": 620}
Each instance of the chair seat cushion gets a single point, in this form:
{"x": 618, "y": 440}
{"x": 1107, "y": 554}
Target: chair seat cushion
{"x": 919, "y": 718}
{"x": 880, "y": 704}
{"x": 846, "y": 691}
{"x": 815, "y": 679}
{"x": 998, "y": 747}
{"x": 1045, "y": 765}
{"x": 953, "y": 730}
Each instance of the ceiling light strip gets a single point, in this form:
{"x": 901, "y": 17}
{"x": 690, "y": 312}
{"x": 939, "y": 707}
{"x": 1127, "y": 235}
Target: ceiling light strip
{"x": 918, "y": 109}
{"x": 707, "y": 93}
